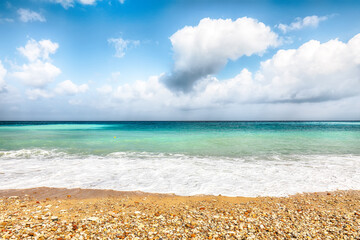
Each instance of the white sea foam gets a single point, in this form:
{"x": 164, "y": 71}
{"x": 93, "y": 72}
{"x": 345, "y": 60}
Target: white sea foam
{"x": 276, "y": 175}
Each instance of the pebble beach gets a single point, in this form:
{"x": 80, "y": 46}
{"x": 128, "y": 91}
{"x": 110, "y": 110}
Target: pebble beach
{"x": 51, "y": 213}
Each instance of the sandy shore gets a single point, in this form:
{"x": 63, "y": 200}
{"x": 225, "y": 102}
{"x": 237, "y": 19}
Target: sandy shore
{"x": 53, "y": 213}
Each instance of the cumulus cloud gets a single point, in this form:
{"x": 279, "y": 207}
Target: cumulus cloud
{"x": 207, "y": 93}
{"x": 206, "y": 48}
{"x": 34, "y": 50}
{"x": 70, "y": 88}
{"x": 2, "y": 76}
{"x": 27, "y": 15}
{"x": 66, "y": 88}
{"x": 151, "y": 90}
{"x": 153, "y": 95}
{"x": 37, "y": 74}
{"x": 39, "y": 71}
{"x": 299, "y": 23}
{"x": 314, "y": 72}
{"x": 121, "y": 45}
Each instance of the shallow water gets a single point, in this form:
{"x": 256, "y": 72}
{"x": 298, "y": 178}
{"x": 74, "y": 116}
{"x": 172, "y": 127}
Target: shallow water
{"x": 229, "y": 158}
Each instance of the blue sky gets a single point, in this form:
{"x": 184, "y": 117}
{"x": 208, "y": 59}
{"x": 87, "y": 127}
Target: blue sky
{"x": 179, "y": 60}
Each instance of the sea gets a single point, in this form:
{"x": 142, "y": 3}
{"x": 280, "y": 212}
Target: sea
{"x": 184, "y": 158}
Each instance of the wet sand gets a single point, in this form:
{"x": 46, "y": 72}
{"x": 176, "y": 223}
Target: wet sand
{"x": 58, "y": 213}
{"x": 63, "y": 193}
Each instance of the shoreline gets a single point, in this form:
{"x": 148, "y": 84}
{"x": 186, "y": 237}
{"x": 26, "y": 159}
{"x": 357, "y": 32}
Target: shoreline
{"x": 59, "y": 213}
{"x": 40, "y": 193}
{"x": 77, "y": 194}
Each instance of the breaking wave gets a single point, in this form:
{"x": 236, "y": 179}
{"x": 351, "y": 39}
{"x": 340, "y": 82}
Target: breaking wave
{"x": 271, "y": 175}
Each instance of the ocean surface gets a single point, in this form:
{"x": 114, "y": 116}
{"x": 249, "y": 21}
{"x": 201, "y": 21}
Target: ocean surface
{"x": 185, "y": 158}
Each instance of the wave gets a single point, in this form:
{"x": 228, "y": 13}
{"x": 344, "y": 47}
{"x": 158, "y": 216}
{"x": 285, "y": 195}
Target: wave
{"x": 271, "y": 175}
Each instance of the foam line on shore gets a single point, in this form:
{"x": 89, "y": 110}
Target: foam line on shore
{"x": 250, "y": 176}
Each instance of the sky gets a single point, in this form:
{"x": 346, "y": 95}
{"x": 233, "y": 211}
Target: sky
{"x": 179, "y": 60}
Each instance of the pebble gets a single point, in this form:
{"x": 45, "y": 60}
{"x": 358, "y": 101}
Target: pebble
{"x": 306, "y": 216}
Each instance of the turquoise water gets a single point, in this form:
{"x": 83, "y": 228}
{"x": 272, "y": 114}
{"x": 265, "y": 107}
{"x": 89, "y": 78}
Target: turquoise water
{"x": 231, "y": 158}
{"x": 231, "y": 139}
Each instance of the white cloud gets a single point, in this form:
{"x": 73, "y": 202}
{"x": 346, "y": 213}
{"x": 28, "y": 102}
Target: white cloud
{"x": 309, "y": 21}
{"x": 122, "y": 1}
{"x": 27, "y": 15}
{"x": 2, "y": 76}
{"x": 34, "y": 50}
{"x": 37, "y": 74}
{"x": 153, "y": 96}
{"x": 141, "y": 90}
{"x": 207, "y": 93}
{"x": 122, "y": 45}
{"x": 36, "y": 93}
{"x": 39, "y": 71}
{"x": 206, "y": 48}
{"x": 66, "y": 87}
{"x": 70, "y": 88}
{"x": 314, "y": 73}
